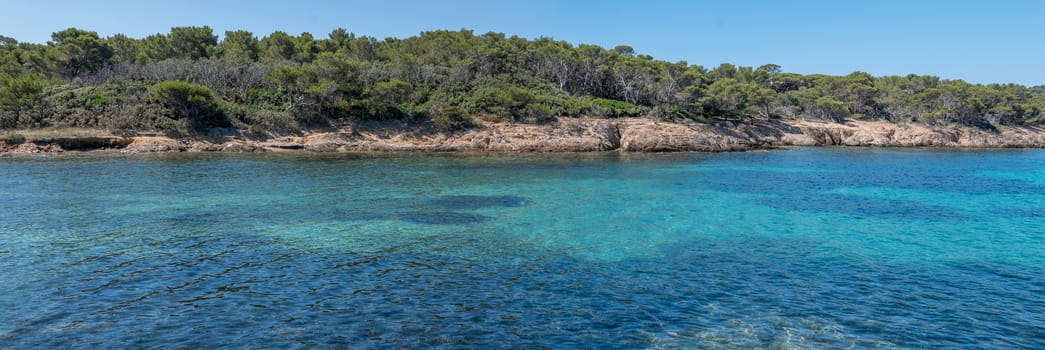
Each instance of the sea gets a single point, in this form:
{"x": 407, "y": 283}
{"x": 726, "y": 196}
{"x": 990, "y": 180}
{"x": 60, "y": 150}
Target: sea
{"x": 803, "y": 248}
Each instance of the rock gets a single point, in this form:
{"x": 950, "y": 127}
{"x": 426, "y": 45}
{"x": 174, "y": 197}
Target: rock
{"x": 832, "y": 135}
{"x": 283, "y": 145}
{"x": 323, "y": 142}
{"x": 922, "y": 136}
{"x": 154, "y": 144}
{"x": 585, "y": 135}
{"x": 34, "y": 148}
{"x": 643, "y": 135}
{"x": 324, "y": 147}
{"x": 85, "y": 143}
{"x": 204, "y": 146}
{"x": 570, "y": 135}
{"x": 797, "y": 140}
{"x": 242, "y": 147}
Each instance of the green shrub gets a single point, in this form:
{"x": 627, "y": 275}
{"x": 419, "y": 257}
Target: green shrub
{"x": 190, "y": 101}
{"x": 14, "y": 139}
{"x": 675, "y": 113}
{"x": 270, "y": 120}
{"x": 536, "y": 113}
{"x": 615, "y": 109}
{"x": 449, "y": 118}
{"x": 519, "y": 104}
{"x": 930, "y": 117}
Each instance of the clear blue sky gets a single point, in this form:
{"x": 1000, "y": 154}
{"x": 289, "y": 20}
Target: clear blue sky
{"x": 977, "y": 41}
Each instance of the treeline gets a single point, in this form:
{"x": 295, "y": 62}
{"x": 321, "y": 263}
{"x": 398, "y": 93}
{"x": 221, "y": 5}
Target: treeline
{"x": 188, "y": 79}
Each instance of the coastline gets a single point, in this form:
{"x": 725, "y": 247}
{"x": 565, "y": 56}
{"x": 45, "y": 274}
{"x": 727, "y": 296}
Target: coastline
{"x": 566, "y": 135}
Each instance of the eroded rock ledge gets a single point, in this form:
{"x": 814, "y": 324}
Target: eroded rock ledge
{"x": 569, "y": 135}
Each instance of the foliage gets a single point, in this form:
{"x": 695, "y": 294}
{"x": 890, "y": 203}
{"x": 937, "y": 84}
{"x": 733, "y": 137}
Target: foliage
{"x": 20, "y": 91}
{"x": 79, "y": 51}
{"x": 188, "y": 78}
{"x": 14, "y": 139}
{"x": 449, "y": 118}
{"x": 191, "y": 101}
{"x": 614, "y": 108}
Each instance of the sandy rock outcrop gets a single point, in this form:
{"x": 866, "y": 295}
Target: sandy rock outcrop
{"x": 579, "y": 135}
{"x": 33, "y": 148}
{"x": 885, "y": 134}
{"x": 238, "y": 146}
{"x": 154, "y": 144}
{"x": 644, "y": 135}
{"x": 323, "y": 142}
{"x": 567, "y": 135}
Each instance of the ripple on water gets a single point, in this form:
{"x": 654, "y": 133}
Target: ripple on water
{"x": 814, "y": 248}
{"x": 449, "y": 210}
{"x": 441, "y": 217}
{"x": 471, "y": 202}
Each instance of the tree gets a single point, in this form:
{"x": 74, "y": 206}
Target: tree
{"x": 339, "y": 40}
{"x": 20, "y": 91}
{"x": 671, "y": 80}
{"x": 830, "y": 108}
{"x": 304, "y": 48}
{"x": 239, "y": 46}
{"x": 278, "y": 46}
{"x": 127, "y": 50}
{"x": 283, "y": 77}
{"x": 769, "y": 68}
{"x": 192, "y": 42}
{"x": 79, "y": 51}
{"x": 10, "y": 63}
{"x": 556, "y": 61}
{"x": 391, "y": 94}
{"x": 729, "y": 97}
{"x": 157, "y": 47}
{"x": 624, "y": 50}
{"x": 723, "y": 71}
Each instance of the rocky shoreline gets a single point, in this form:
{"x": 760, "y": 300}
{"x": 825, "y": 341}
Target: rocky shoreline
{"x": 568, "y": 135}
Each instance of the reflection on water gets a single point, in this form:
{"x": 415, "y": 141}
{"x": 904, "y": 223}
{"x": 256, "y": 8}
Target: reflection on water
{"x": 808, "y": 248}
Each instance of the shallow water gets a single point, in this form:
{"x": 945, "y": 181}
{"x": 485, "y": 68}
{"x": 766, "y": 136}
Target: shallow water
{"x": 804, "y": 248}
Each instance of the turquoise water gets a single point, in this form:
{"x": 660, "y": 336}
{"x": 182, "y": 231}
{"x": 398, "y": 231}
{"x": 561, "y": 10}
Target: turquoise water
{"x": 804, "y": 248}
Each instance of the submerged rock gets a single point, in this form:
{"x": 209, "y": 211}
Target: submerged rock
{"x": 479, "y": 202}
{"x": 441, "y": 218}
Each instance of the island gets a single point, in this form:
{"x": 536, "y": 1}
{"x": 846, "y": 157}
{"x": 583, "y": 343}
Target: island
{"x": 186, "y": 90}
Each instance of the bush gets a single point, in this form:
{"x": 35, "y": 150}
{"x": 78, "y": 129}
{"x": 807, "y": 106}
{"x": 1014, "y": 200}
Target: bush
{"x": 190, "y": 101}
{"x": 14, "y": 139}
{"x": 270, "y": 120}
{"x": 449, "y": 118}
{"x": 930, "y": 118}
{"x": 518, "y": 104}
{"x": 536, "y": 113}
{"x": 615, "y": 109}
{"x": 673, "y": 114}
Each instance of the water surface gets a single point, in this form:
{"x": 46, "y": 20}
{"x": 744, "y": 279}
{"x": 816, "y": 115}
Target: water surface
{"x": 805, "y": 248}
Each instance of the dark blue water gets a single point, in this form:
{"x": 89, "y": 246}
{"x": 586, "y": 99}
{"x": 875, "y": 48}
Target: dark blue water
{"x": 807, "y": 248}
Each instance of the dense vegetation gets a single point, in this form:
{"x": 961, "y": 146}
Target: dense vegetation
{"x": 189, "y": 80}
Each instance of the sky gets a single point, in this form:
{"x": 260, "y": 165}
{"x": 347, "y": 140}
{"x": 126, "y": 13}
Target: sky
{"x": 999, "y": 41}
